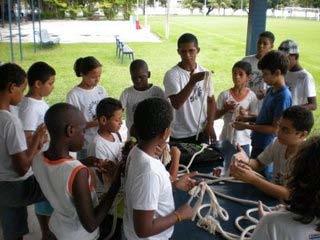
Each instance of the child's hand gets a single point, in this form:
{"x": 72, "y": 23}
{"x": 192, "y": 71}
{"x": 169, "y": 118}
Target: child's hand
{"x": 108, "y": 168}
{"x": 241, "y": 156}
{"x": 186, "y": 183}
{"x": 243, "y": 112}
{"x": 229, "y": 106}
{"x": 185, "y": 211}
{"x": 93, "y": 162}
{"x": 240, "y": 125}
{"x": 40, "y": 135}
{"x": 159, "y": 149}
{"x": 242, "y": 172}
{"x": 197, "y": 77}
{"x": 261, "y": 93}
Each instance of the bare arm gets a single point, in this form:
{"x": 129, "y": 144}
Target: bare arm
{"x": 145, "y": 225}
{"x": 22, "y": 161}
{"x": 89, "y": 216}
{"x": 93, "y": 123}
{"x": 177, "y": 100}
{"x": 311, "y": 105}
{"x": 245, "y": 173}
{"x": 266, "y": 129}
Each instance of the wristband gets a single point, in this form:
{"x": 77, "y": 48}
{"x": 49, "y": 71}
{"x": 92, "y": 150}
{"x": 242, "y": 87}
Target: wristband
{"x": 178, "y": 217}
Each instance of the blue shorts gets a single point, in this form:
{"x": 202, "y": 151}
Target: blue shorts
{"x": 15, "y": 197}
{"x": 43, "y": 208}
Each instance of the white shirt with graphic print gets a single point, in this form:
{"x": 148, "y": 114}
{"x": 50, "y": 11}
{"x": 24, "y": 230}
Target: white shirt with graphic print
{"x": 130, "y": 98}
{"x": 185, "y": 122}
{"x": 86, "y": 101}
{"x": 256, "y": 82}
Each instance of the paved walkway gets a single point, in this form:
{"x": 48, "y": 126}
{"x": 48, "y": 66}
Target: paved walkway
{"x": 79, "y": 31}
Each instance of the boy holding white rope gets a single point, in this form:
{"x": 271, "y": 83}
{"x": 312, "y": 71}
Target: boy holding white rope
{"x": 187, "y": 85}
{"x": 294, "y": 126}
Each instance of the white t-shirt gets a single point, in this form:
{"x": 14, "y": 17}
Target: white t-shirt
{"x": 104, "y": 149}
{"x": 130, "y": 98}
{"x": 301, "y": 85}
{"x": 228, "y": 132}
{"x": 147, "y": 187}
{"x": 12, "y": 141}
{"x": 282, "y": 226}
{"x": 31, "y": 113}
{"x": 275, "y": 153}
{"x": 86, "y": 101}
{"x": 56, "y": 180}
{"x": 256, "y": 82}
{"x": 186, "y": 118}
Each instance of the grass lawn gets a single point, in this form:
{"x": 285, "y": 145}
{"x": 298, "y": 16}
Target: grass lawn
{"x": 222, "y": 42}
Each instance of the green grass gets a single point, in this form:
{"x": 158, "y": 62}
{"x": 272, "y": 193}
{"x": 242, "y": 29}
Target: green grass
{"x": 222, "y": 42}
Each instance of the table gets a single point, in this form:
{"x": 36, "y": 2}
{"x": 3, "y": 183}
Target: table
{"x": 188, "y": 230}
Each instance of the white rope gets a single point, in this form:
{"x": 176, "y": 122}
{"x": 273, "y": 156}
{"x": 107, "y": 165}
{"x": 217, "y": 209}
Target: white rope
{"x": 114, "y": 212}
{"x": 207, "y": 83}
{"x": 185, "y": 169}
{"x": 210, "y": 223}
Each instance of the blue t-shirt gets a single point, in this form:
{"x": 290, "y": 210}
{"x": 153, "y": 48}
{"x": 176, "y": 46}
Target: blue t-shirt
{"x": 274, "y": 103}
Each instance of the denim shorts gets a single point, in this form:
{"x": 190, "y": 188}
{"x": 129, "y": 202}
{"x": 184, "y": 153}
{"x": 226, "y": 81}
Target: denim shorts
{"x": 43, "y": 208}
{"x": 15, "y": 197}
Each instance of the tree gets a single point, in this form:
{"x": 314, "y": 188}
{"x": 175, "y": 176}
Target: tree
{"x": 236, "y": 4}
{"x": 192, "y": 4}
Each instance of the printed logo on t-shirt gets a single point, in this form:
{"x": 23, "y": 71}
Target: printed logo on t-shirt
{"x": 315, "y": 236}
{"x": 256, "y": 82}
{"x": 92, "y": 109}
{"x": 197, "y": 93}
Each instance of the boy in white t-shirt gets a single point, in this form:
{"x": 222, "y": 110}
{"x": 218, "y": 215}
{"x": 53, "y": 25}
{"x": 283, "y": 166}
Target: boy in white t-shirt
{"x": 301, "y": 218}
{"x": 66, "y": 182}
{"x": 140, "y": 90}
{"x": 294, "y": 126}
{"x": 107, "y": 144}
{"x": 87, "y": 95}
{"x": 32, "y": 109}
{"x": 18, "y": 187}
{"x": 298, "y": 79}
{"x": 190, "y": 95}
{"x": 150, "y": 212}
{"x": 256, "y": 83}
{"x": 237, "y": 100}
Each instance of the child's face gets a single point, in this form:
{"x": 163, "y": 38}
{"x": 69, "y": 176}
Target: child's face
{"x": 292, "y": 61}
{"x": 188, "y": 52}
{"x": 92, "y": 78}
{"x": 270, "y": 78}
{"x": 114, "y": 123}
{"x": 47, "y": 87}
{"x": 287, "y": 134}
{"x": 239, "y": 77}
{"x": 17, "y": 92}
{"x": 139, "y": 78}
{"x": 264, "y": 45}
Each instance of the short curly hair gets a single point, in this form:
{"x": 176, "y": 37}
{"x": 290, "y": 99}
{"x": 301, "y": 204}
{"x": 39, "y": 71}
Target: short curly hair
{"x": 11, "y": 73}
{"x": 151, "y": 118}
{"x": 304, "y": 182}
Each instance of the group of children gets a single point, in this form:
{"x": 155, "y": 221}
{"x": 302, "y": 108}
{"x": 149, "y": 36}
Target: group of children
{"x": 74, "y": 197}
